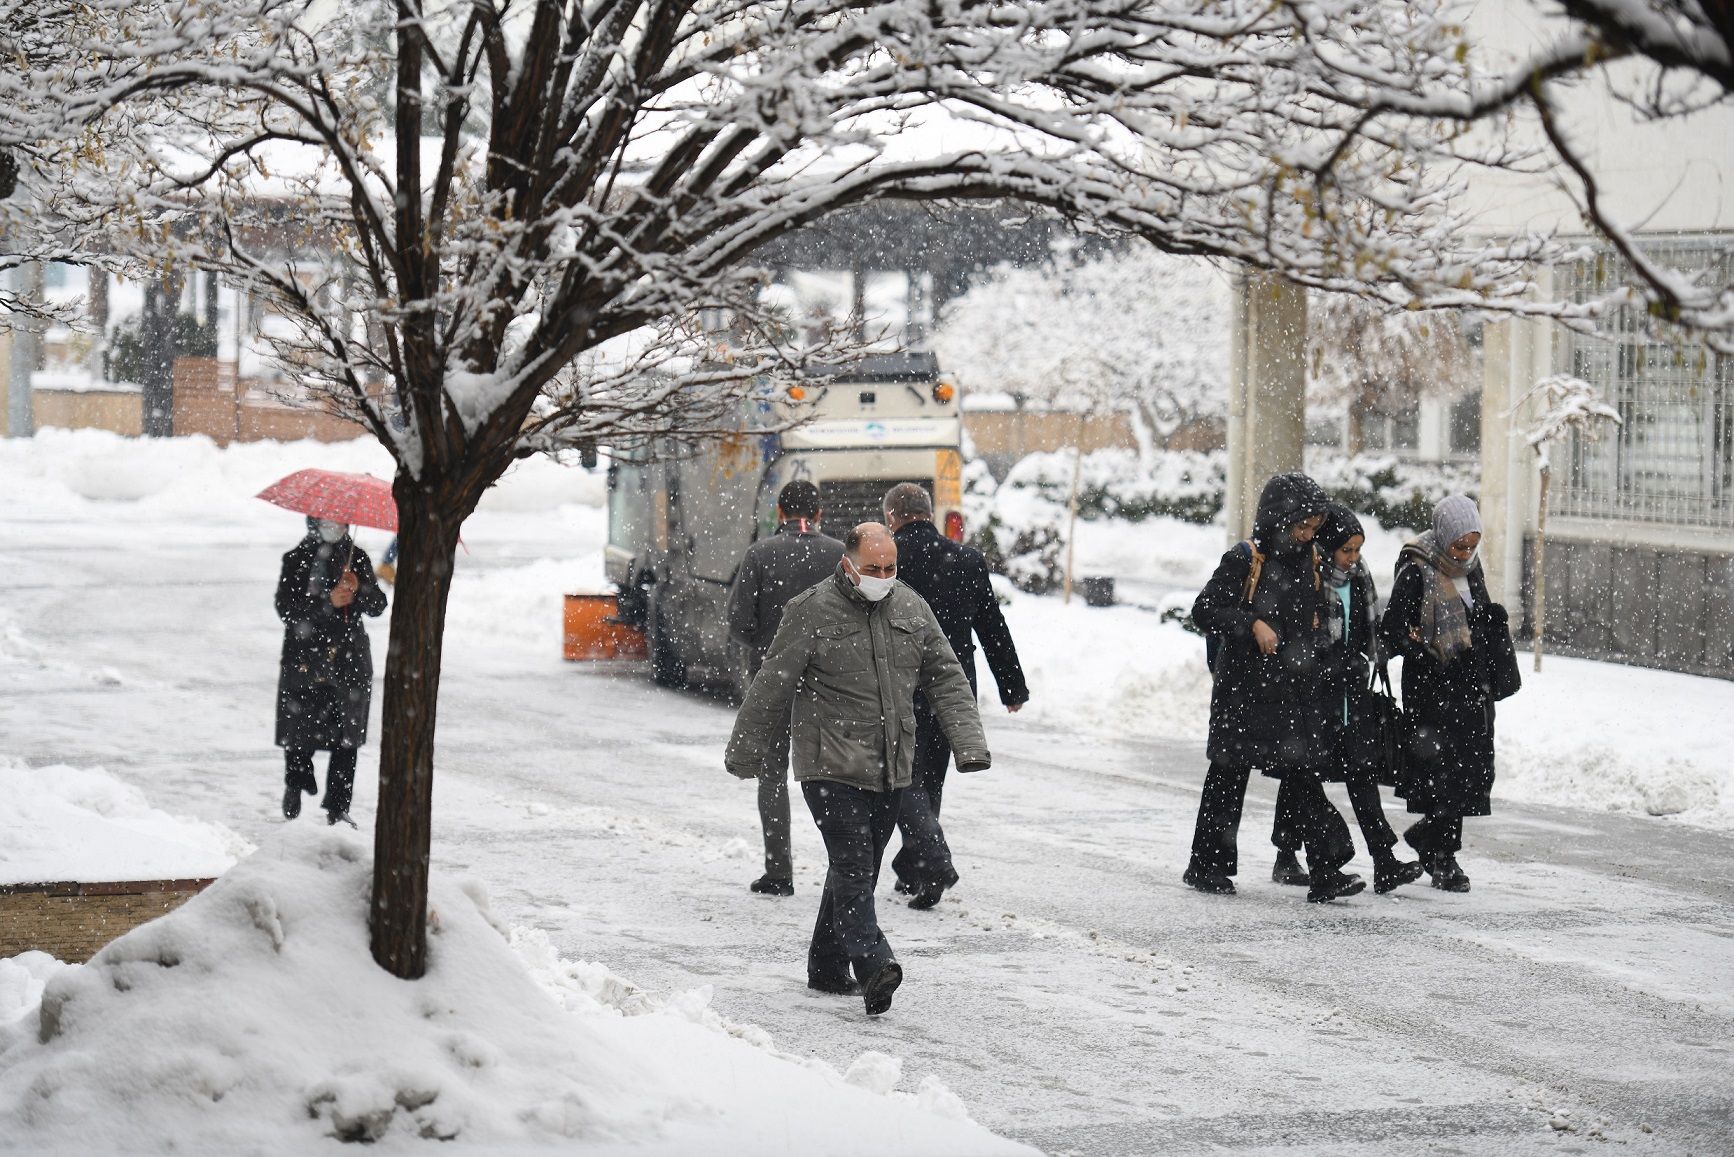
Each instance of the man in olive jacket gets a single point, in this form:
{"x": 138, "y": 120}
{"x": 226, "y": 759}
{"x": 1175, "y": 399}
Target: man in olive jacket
{"x": 851, "y": 653}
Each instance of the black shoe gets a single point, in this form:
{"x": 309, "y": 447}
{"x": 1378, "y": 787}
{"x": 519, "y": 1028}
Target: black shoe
{"x": 1447, "y": 876}
{"x": 1289, "y": 871}
{"x": 927, "y": 896}
{"x": 1421, "y": 847}
{"x": 1328, "y": 886}
{"x": 904, "y": 886}
{"x": 1390, "y": 872}
{"x": 877, "y": 992}
{"x": 335, "y": 818}
{"x": 846, "y": 986}
{"x": 771, "y": 886}
{"x": 291, "y": 802}
{"x": 1204, "y": 882}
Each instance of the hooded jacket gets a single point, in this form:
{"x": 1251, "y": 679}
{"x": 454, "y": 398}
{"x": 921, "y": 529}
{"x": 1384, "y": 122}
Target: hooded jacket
{"x": 852, "y": 668}
{"x": 1263, "y": 708}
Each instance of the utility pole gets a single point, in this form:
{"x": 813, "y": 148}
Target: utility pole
{"x": 26, "y": 347}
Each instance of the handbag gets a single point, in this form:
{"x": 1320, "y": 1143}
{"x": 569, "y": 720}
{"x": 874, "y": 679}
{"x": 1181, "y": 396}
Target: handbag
{"x": 1503, "y": 677}
{"x": 1390, "y": 742}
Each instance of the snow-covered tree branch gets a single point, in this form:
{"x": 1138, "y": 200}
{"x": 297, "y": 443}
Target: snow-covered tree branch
{"x": 480, "y": 213}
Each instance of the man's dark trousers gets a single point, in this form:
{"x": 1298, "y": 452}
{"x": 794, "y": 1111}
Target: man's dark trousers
{"x": 774, "y": 803}
{"x": 925, "y": 858}
{"x": 856, "y": 824}
{"x": 1215, "y": 839}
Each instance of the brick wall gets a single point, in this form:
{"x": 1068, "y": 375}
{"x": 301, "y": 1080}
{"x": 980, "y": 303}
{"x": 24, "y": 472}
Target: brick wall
{"x": 72, "y": 921}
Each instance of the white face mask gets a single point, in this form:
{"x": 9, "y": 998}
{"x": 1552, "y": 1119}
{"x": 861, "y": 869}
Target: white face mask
{"x": 872, "y": 589}
{"x": 332, "y": 532}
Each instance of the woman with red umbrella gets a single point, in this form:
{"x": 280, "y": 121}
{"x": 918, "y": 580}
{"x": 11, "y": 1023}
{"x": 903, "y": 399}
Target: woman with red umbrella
{"x": 326, "y": 680}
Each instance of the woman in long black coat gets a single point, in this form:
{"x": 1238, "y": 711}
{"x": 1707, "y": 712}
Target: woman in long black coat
{"x": 1349, "y": 704}
{"x": 1441, "y": 620}
{"x": 1263, "y": 710}
{"x": 325, "y": 681}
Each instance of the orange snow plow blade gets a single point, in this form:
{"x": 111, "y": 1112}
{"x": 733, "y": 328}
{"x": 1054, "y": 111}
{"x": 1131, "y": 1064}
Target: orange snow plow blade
{"x": 593, "y": 630}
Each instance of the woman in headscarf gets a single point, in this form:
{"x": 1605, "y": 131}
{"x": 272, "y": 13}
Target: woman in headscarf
{"x": 1265, "y": 611}
{"x": 1348, "y": 706}
{"x": 1439, "y": 621}
{"x": 325, "y": 682}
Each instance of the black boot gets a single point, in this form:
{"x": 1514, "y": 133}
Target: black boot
{"x": 1389, "y": 872}
{"x": 771, "y": 886}
{"x": 1416, "y": 837}
{"x": 1288, "y": 870}
{"x": 836, "y": 986}
{"x": 1447, "y": 876}
{"x": 876, "y": 993}
{"x": 291, "y": 801}
{"x": 1208, "y": 882}
{"x": 1334, "y": 885}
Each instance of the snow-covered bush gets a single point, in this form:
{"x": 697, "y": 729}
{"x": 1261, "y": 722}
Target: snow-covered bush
{"x": 1393, "y": 491}
{"x": 1113, "y": 484}
{"x": 1020, "y": 523}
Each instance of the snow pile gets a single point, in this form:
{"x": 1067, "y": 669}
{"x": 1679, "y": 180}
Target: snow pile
{"x": 194, "y": 478}
{"x": 252, "y": 1019}
{"x": 71, "y": 823}
{"x": 1108, "y": 671}
{"x": 1613, "y": 738}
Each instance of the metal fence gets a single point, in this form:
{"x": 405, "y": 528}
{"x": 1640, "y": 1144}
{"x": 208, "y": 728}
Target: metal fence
{"x": 1673, "y": 459}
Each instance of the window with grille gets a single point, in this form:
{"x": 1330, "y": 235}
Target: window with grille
{"x": 1673, "y": 459}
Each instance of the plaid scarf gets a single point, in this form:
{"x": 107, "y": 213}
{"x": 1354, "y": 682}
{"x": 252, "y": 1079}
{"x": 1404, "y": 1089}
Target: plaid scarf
{"x": 1444, "y": 620}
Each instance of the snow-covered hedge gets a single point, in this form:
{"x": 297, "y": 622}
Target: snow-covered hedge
{"x": 1020, "y": 523}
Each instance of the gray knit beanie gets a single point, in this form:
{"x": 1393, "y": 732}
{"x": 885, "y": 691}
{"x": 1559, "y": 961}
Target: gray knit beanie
{"x": 1455, "y": 517}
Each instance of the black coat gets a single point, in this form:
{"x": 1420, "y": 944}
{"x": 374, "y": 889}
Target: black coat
{"x": 1346, "y": 678}
{"x": 1266, "y": 711}
{"x": 775, "y": 570}
{"x": 953, "y": 578}
{"x": 1450, "y": 709}
{"x": 325, "y": 681}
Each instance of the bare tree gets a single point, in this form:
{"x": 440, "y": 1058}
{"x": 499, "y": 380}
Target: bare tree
{"x": 1157, "y": 329}
{"x": 1370, "y": 360}
{"x": 487, "y": 216}
{"x": 1569, "y": 407}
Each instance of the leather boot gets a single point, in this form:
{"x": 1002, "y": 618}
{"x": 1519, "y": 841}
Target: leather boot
{"x": 1289, "y": 871}
{"x": 1389, "y": 872}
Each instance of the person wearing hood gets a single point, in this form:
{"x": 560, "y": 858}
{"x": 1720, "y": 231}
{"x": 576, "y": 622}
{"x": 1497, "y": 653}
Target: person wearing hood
{"x": 1264, "y": 610}
{"x": 325, "y": 679}
{"x": 1441, "y": 621}
{"x": 850, "y": 654}
{"x": 1349, "y": 708}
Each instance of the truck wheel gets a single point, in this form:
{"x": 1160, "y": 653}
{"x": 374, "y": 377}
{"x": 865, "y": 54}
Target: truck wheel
{"x": 666, "y": 669}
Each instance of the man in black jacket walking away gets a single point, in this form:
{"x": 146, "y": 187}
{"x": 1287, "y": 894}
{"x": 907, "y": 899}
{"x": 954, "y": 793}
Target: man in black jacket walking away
{"x": 953, "y": 578}
{"x": 775, "y": 570}
{"x": 325, "y": 679}
{"x": 1265, "y": 610}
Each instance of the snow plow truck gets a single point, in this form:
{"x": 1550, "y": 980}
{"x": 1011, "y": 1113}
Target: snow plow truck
{"x": 678, "y": 526}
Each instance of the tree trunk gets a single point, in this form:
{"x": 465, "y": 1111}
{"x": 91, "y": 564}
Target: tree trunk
{"x": 427, "y": 541}
{"x": 1540, "y": 565}
{"x": 1072, "y": 520}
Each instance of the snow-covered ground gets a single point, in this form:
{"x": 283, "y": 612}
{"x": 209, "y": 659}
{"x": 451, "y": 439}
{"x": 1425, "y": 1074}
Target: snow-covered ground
{"x": 1070, "y": 991}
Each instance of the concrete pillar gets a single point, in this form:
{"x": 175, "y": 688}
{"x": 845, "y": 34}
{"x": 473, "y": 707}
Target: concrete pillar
{"x": 1267, "y": 414}
{"x": 1514, "y": 355}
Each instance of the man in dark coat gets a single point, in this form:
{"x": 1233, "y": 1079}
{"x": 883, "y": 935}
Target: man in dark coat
{"x": 775, "y": 570}
{"x": 953, "y": 578}
{"x": 1265, "y": 612}
{"x": 325, "y": 682}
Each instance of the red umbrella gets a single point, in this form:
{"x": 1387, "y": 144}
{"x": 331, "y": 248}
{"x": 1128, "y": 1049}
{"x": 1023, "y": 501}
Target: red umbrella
{"x": 356, "y": 499}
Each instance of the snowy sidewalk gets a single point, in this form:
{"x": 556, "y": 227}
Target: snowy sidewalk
{"x": 1071, "y": 991}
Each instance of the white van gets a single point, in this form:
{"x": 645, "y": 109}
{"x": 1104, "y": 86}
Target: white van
{"x": 678, "y": 528}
